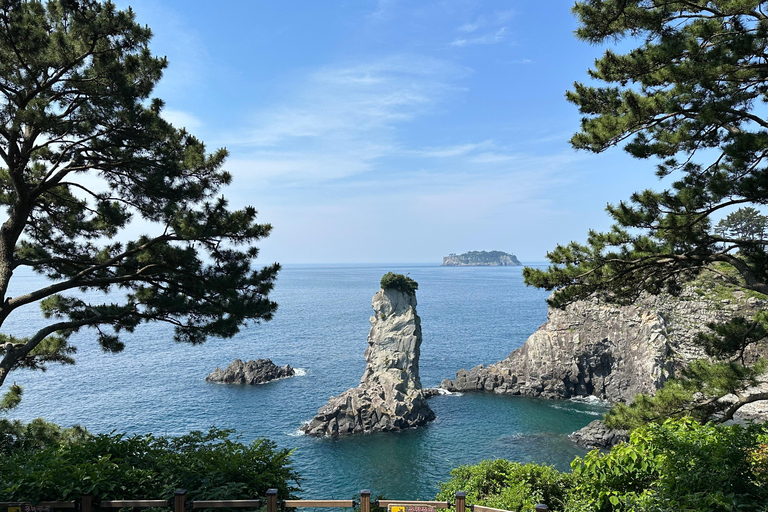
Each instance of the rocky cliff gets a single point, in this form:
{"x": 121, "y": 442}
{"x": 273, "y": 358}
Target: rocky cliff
{"x": 259, "y": 371}
{"x": 389, "y": 396}
{"x": 613, "y": 353}
{"x": 481, "y": 259}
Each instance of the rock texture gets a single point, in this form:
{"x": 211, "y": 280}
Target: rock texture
{"x": 613, "y": 353}
{"x": 481, "y": 259}
{"x": 250, "y": 372}
{"x": 598, "y": 435}
{"x": 389, "y": 396}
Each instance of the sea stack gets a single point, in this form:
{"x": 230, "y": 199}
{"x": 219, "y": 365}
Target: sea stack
{"x": 389, "y": 397}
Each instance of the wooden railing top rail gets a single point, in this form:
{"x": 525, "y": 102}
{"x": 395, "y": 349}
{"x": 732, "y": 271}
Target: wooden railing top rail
{"x": 51, "y": 504}
{"x": 134, "y": 503}
{"x": 480, "y": 508}
{"x": 319, "y": 503}
{"x": 227, "y": 504}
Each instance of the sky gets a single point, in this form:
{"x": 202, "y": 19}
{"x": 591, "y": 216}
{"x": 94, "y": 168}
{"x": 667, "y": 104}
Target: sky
{"x": 387, "y": 131}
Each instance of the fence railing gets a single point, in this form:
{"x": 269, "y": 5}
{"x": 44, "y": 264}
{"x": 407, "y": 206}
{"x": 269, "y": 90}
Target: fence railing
{"x": 179, "y": 503}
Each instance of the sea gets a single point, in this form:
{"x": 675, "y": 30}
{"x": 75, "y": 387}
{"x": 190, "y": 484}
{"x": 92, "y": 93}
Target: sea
{"x": 469, "y": 315}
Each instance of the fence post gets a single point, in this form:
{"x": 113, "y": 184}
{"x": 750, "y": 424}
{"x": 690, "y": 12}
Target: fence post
{"x": 86, "y": 503}
{"x": 180, "y": 500}
{"x": 365, "y": 500}
{"x": 271, "y": 500}
{"x": 540, "y": 507}
{"x": 461, "y": 501}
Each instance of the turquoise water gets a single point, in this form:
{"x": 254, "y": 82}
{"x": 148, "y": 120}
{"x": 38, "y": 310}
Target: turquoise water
{"x": 470, "y": 316}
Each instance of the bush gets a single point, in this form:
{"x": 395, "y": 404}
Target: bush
{"x": 399, "y": 282}
{"x": 36, "y": 435}
{"x": 508, "y": 485}
{"x": 678, "y": 465}
{"x": 117, "y": 466}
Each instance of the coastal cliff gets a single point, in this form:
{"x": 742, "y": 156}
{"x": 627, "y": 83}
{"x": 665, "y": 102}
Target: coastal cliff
{"x": 481, "y": 259}
{"x": 608, "y": 351}
{"x": 389, "y": 396}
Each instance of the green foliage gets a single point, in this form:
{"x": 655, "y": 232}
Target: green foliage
{"x": 687, "y": 97}
{"x": 399, "y": 282}
{"x": 676, "y": 465}
{"x": 744, "y": 224}
{"x": 84, "y": 151}
{"x": 508, "y": 485}
{"x": 16, "y": 436}
{"x": 117, "y": 466}
{"x": 11, "y": 398}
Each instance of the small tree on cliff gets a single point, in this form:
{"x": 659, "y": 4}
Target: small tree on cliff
{"x": 399, "y": 282}
{"x": 84, "y": 151}
{"x": 687, "y": 97}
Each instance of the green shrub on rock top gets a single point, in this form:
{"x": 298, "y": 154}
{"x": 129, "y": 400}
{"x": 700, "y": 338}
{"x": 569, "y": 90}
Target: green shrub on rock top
{"x": 399, "y": 282}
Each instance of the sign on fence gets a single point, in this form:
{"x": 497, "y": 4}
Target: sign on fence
{"x": 411, "y": 508}
{"x": 28, "y": 507}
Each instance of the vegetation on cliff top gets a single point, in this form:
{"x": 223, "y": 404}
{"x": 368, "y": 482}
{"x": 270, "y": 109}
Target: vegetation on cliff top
{"x": 482, "y": 258}
{"x": 399, "y": 282}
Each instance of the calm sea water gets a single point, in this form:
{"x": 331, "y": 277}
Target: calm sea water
{"x": 470, "y": 316}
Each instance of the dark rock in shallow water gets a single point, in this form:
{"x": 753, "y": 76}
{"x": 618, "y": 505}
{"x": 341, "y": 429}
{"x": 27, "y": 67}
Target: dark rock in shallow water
{"x": 598, "y": 435}
{"x": 389, "y": 397}
{"x": 250, "y": 372}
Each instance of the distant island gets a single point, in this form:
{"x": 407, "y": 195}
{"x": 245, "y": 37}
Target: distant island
{"x": 481, "y": 259}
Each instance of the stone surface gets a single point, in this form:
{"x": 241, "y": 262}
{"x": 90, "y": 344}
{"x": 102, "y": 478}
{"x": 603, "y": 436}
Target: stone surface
{"x": 389, "y": 396}
{"x": 259, "y": 371}
{"x": 598, "y": 435}
{"x": 611, "y": 352}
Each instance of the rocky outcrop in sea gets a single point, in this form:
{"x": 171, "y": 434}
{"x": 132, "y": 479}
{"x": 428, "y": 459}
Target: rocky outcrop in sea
{"x": 598, "y": 435}
{"x": 259, "y": 371}
{"x": 389, "y": 396}
{"x": 608, "y": 351}
{"x": 481, "y": 259}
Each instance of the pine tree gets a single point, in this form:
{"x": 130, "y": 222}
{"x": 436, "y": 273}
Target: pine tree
{"x": 84, "y": 153}
{"x": 687, "y": 98}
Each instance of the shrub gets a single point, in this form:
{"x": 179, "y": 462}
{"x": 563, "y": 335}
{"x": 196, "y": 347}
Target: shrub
{"x": 508, "y": 485}
{"x": 36, "y": 435}
{"x": 399, "y": 282}
{"x": 677, "y": 465}
{"x": 118, "y": 466}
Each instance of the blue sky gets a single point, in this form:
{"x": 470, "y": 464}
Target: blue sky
{"x": 392, "y": 131}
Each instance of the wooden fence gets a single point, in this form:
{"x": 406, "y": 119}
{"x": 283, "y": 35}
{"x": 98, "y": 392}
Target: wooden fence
{"x": 179, "y": 503}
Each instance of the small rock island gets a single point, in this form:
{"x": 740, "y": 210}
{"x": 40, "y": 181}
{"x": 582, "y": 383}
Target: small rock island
{"x": 389, "y": 397}
{"x": 481, "y": 259}
{"x": 259, "y": 371}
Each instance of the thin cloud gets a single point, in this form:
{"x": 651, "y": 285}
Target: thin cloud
{"x": 452, "y": 151}
{"x": 498, "y": 18}
{"x": 181, "y": 119}
{"x": 354, "y": 111}
{"x": 491, "y": 38}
